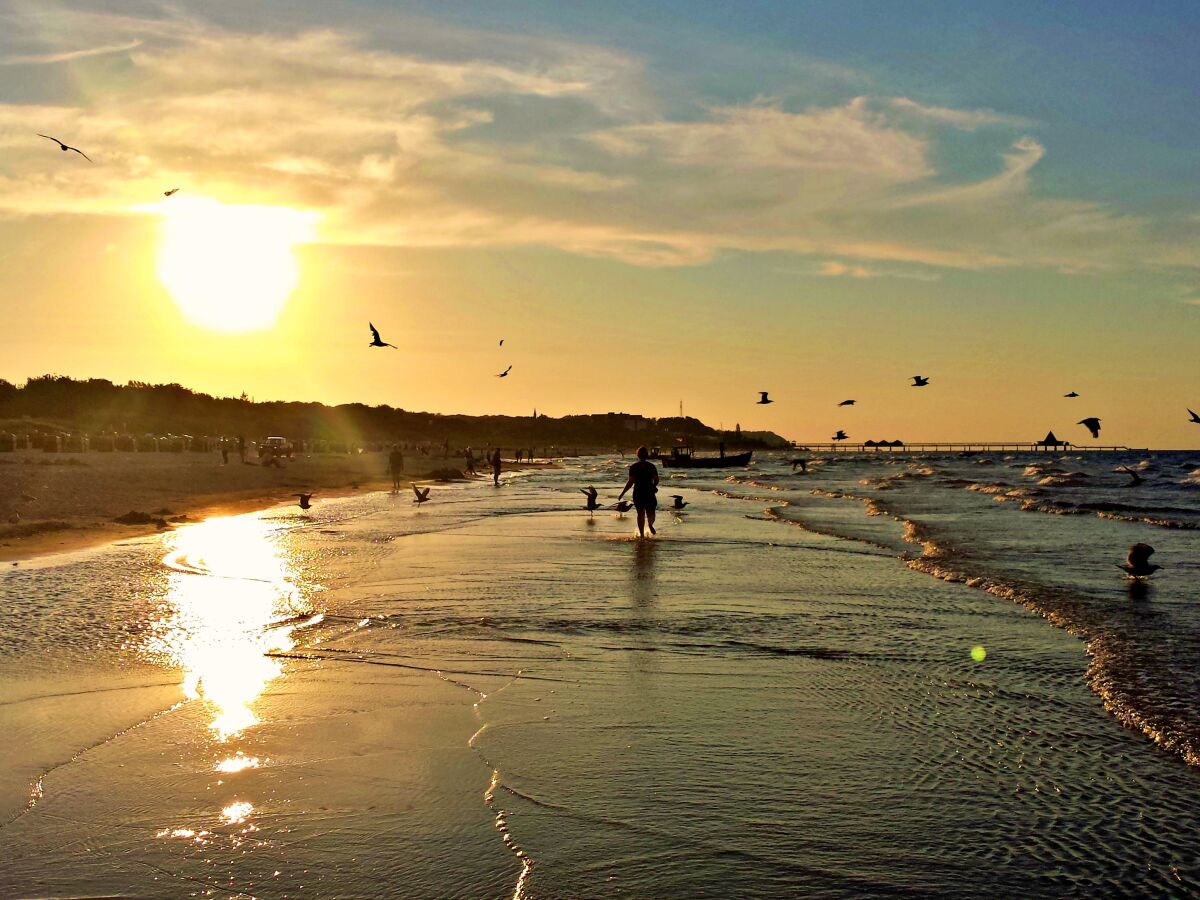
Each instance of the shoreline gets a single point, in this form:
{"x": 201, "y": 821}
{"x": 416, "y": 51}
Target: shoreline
{"x": 94, "y": 525}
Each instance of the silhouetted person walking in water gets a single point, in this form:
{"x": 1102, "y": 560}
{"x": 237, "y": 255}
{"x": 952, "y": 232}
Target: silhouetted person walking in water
{"x": 396, "y": 464}
{"x": 469, "y": 456}
{"x": 495, "y": 460}
{"x": 224, "y": 452}
{"x": 242, "y": 447}
{"x": 643, "y": 478}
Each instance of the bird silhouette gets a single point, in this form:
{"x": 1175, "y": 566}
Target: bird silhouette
{"x": 803, "y": 464}
{"x": 501, "y": 342}
{"x": 65, "y": 147}
{"x": 1137, "y": 564}
{"x": 1194, "y": 418}
{"x": 305, "y": 501}
{"x": 919, "y": 381}
{"x": 170, "y": 192}
{"x": 504, "y": 374}
{"x": 1072, "y": 394}
{"x": 763, "y": 398}
{"x": 622, "y": 506}
{"x": 847, "y": 403}
{"x": 679, "y": 503}
{"x": 1135, "y": 478}
{"x": 592, "y": 504}
{"x": 376, "y": 340}
{"x": 840, "y": 436}
{"x": 1092, "y": 424}
{"x": 422, "y": 494}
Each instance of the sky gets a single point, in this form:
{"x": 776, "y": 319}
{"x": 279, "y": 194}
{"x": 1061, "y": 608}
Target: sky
{"x": 652, "y": 204}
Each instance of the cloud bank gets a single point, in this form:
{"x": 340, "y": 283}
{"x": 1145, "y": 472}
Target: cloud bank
{"x": 500, "y": 140}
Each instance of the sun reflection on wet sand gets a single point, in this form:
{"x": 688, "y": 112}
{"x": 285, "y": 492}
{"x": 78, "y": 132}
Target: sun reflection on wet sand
{"x": 231, "y": 600}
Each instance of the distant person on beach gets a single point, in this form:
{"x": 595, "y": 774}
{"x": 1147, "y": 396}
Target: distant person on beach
{"x": 224, "y": 452}
{"x": 643, "y": 478}
{"x": 469, "y": 456}
{"x": 495, "y": 458}
{"x": 396, "y": 465}
{"x": 242, "y": 447}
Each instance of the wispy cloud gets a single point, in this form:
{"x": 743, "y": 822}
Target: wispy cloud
{"x": 68, "y": 55}
{"x": 965, "y": 119}
{"x": 832, "y": 268}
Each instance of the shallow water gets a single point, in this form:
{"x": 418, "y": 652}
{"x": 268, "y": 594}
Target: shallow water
{"x": 498, "y": 695}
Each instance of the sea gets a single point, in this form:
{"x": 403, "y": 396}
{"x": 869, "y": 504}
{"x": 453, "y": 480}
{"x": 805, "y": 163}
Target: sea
{"x": 881, "y": 675}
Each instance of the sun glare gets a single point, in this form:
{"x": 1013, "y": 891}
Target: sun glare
{"x": 230, "y": 267}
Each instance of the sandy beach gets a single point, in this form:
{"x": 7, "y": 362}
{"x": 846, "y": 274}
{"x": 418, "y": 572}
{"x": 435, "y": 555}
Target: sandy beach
{"x": 69, "y": 501}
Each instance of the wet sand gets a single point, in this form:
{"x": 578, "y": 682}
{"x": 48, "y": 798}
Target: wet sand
{"x": 78, "y": 496}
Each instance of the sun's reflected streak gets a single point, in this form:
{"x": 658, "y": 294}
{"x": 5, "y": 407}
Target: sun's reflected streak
{"x": 231, "y": 600}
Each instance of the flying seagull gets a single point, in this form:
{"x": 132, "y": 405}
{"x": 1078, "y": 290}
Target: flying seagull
{"x": 847, "y": 403}
{"x": 501, "y": 342}
{"x": 504, "y": 374}
{"x": 1136, "y": 479}
{"x": 840, "y": 436}
{"x": 679, "y": 503}
{"x": 422, "y": 494}
{"x": 919, "y": 381}
{"x": 1194, "y": 418}
{"x": 1137, "y": 564}
{"x": 763, "y": 398}
{"x": 377, "y": 341}
{"x": 65, "y": 147}
{"x": 1072, "y": 394}
{"x": 305, "y": 500}
{"x": 170, "y": 192}
{"x": 1092, "y": 424}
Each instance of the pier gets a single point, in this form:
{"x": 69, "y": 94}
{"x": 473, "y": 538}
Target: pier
{"x": 969, "y": 447}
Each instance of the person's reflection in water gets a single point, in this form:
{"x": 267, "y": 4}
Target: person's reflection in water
{"x": 645, "y": 588}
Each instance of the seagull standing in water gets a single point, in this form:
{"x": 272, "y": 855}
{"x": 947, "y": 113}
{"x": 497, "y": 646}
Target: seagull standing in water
{"x": 376, "y": 340}
{"x": 803, "y": 464}
{"x": 1137, "y": 564}
{"x": 622, "y": 507}
{"x": 305, "y": 501}
{"x": 1092, "y": 424}
{"x": 763, "y": 399}
{"x": 679, "y": 503}
{"x": 422, "y": 494}
{"x": 919, "y": 381}
{"x": 65, "y": 147}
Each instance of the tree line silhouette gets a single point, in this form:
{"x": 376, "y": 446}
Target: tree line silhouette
{"x": 96, "y": 406}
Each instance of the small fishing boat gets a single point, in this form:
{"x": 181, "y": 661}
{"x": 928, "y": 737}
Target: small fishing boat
{"x": 682, "y": 458}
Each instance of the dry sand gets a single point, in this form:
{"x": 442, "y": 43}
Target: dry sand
{"x": 69, "y": 501}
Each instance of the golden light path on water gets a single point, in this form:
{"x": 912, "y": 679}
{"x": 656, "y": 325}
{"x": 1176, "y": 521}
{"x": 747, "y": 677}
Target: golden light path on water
{"x": 231, "y": 600}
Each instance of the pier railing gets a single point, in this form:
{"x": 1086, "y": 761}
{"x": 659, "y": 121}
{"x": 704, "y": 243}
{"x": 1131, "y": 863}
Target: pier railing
{"x": 969, "y": 447}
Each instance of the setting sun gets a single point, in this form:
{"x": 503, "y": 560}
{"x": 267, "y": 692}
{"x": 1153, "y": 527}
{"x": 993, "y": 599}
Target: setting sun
{"x": 230, "y": 267}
